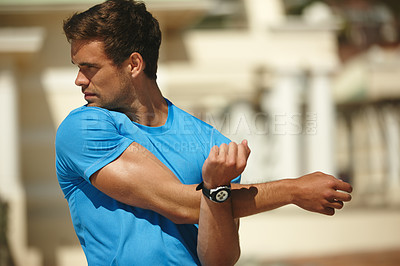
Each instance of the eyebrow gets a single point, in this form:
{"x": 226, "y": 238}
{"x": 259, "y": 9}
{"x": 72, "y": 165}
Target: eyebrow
{"x": 85, "y": 64}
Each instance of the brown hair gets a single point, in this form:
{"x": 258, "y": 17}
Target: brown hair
{"x": 125, "y": 27}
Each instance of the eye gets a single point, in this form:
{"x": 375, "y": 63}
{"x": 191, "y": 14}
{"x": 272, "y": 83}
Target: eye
{"x": 86, "y": 67}
{"x": 88, "y": 70}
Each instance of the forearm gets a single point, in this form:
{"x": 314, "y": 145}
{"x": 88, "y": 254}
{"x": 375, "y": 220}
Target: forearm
{"x": 139, "y": 179}
{"x": 246, "y": 200}
{"x": 218, "y": 239}
{"x": 256, "y": 198}
{"x": 316, "y": 192}
{"x": 182, "y": 203}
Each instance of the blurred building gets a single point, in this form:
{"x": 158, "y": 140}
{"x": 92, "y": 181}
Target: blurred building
{"x": 303, "y": 99}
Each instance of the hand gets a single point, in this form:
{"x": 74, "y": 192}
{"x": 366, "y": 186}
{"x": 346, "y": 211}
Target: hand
{"x": 322, "y": 193}
{"x": 225, "y": 163}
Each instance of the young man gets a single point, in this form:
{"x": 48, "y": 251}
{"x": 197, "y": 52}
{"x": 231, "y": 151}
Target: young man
{"x": 129, "y": 161}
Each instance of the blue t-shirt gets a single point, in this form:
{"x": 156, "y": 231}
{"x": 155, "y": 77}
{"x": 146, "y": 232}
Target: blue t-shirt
{"x": 113, "y": 233}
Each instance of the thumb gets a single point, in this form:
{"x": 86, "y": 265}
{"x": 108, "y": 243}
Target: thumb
{"x": 245, "y": 143}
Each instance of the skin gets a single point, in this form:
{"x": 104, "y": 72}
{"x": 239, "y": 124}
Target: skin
{"x": 122, "y": 88}
{"x": 136, "y": 171}
{"x": 223, "y": 164}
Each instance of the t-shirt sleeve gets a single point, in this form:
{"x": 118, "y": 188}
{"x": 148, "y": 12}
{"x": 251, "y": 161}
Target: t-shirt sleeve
{"x": 86, "y": 141}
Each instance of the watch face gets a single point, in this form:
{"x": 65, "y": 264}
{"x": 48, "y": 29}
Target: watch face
{"x": 221, "y": 195}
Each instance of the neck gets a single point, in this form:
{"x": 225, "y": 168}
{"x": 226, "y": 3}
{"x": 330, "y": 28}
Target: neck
{"x": 149, "y": 107}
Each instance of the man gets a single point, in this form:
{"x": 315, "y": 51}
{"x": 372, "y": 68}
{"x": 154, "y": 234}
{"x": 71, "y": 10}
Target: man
{"x": 129, "y": 161}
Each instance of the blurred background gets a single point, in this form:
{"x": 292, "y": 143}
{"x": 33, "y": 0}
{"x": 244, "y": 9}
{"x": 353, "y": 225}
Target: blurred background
{"x": 313, "y": 85}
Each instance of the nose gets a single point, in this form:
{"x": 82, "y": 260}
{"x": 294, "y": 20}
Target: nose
{"x": 81, "y": 79}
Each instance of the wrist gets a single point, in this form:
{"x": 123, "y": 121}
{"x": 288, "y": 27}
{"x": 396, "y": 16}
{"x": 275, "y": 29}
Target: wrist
{"x": 291, "y": 188}
{"x": 218, "y": 194}
{"x": 212, "y": 185}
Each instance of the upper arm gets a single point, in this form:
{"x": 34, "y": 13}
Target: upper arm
{"x": 139, "y": 179}
{"x": 89, "y": 144}
{"x": 87, "y": 140}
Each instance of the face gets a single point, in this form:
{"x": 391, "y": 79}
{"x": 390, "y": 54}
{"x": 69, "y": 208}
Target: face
{"x": 102, "y": 82}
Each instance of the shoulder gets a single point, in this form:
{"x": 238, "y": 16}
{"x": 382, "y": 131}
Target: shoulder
{"x": 85, "y": 113}
{"x": 84, "y": 118}
{"x": 87, "y": 137}
{"x": 89, "y": 124}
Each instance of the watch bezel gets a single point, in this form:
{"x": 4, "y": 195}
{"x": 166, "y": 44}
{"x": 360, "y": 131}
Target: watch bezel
{"x": 212, "y": 194}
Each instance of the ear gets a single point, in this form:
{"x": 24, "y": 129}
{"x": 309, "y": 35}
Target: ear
{"x": 136, "y": 64}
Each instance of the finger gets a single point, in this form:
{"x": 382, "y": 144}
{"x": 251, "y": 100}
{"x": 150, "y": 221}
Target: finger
{"x": 232, "y": 153}
{"x": 328, "y": 211}
{"x": 246, "y": 144}
{"x": 336, "y": 204}
{"x": 244, "y": 149}
{"x": 223, "y": 151}
{"x": 242, "y": 152}
{"x": 213, "y": 153}
{"x": 341, "y": 185}
{"x": 341, "y": 196}
{"x": 243, "y": 155}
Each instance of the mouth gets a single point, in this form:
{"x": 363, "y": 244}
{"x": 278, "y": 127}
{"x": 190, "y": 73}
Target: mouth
{"x": 89, "y": 95}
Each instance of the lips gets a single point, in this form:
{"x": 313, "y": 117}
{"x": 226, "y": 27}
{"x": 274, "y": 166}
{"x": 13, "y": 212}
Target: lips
{"x": 89, "y": 95}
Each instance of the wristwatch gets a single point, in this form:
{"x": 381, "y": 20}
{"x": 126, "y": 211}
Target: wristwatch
{"x": 219, "y": 194}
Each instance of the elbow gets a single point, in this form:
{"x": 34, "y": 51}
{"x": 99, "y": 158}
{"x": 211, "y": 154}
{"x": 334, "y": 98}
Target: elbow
{"x": 226, "y": 259}
{"x": 221, "y": 262}
{"x": 233, "y": 259}
{"x": 236, "y": 255}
